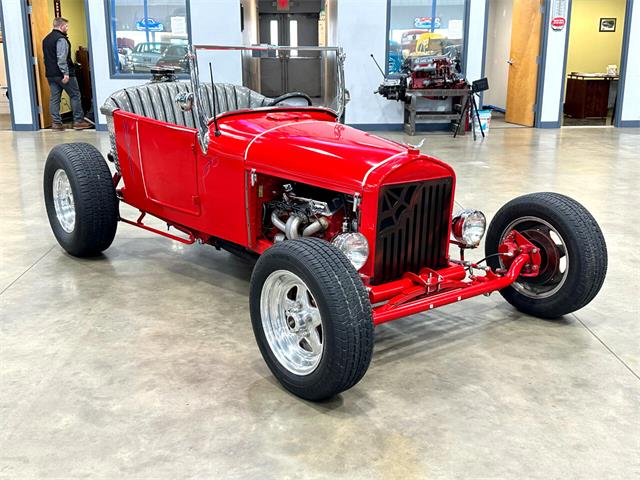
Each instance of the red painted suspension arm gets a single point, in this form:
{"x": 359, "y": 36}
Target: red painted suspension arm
{"x": 474, "y": 288}
{"x": 415, "y": 293}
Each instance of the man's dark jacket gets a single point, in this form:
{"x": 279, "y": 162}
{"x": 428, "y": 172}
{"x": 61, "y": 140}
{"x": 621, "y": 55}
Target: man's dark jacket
{"x": 49, "y": 47}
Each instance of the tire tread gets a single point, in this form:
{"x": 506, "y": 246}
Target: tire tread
{"x": 581, "y": 228}
{"x": 95, "y": 199}
{"x": 349, "y": 309}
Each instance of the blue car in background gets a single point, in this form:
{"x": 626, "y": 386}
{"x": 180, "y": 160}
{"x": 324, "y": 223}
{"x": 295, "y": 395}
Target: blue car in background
{"x": 149, "y": 25}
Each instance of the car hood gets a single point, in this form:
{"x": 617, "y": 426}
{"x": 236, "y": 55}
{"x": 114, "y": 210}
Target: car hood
{"x": 320, "y": 152}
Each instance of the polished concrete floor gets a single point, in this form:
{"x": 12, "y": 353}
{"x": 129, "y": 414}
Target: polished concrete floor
{"x": 5, "y": 121}
{"x": 142, "y": 364}
{"x": 497, "y": 121}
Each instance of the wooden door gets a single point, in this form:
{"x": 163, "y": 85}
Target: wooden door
{"x": 40, "y": 27}
{"x": 523, "y": 67}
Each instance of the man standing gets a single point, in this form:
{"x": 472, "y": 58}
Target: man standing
{"x": 61, "y": 75}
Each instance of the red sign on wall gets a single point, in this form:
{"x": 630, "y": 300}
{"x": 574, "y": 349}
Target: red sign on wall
{"x": 283, "y": 5}
{"x": 558, "y": 23}
{"x": 559, "y": 14}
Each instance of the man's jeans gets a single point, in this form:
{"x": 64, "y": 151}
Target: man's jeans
{"x": 71, "y": 87}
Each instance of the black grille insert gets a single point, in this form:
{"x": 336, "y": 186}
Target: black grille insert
{"x": 413, "y": 228}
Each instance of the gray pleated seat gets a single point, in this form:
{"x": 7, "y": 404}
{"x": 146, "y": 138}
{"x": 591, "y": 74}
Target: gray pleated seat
{"x": 157, "y": 100}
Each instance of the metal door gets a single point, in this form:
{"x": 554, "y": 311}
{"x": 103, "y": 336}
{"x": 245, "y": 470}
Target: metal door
{"x": 272, "y": 83}
{"x": 297, "y": 71}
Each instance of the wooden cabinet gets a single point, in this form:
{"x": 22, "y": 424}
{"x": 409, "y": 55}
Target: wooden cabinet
{"x": 587, "y": 96}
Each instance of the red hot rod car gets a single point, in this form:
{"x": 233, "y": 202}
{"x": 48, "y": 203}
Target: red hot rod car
{"x": 350, "y": 230}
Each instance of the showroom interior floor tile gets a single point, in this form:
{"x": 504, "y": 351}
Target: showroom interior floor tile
{"x": 142, "y": 364}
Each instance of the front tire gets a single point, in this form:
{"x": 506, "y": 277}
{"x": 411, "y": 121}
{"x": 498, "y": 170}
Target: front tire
{"x": 311, "y": 317}
{"x": 572, "y": 248}
{"x": 80, "y": 198}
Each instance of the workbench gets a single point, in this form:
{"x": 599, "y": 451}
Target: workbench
{"x": 413, "y": 113}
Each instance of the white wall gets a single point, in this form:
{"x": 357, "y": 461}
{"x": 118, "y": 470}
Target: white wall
{"x": 554, "y": 75}
{"x": 362, "y": 26}
{"x": 498, "y": 49}
{"x": 475, "y": 42}
{"x": 217, "y": 22}
{"x": 18, "y": 62}
{"x": 631, "y": 100}
{"x": 212, "y": 21}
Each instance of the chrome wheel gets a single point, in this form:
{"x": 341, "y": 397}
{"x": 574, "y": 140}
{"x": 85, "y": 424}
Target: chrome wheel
{"x": 554, "y": 265}
{"x": 291, "y": 322}
{"x": 63, "y": 201}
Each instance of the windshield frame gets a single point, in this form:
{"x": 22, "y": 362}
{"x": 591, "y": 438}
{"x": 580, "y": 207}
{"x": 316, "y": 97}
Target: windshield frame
{"x": 202, "y": 121}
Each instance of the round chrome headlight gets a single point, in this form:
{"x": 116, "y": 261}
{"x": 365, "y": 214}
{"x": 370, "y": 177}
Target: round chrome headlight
{"x": 354, "y": 246}
{"x": 468, "y": 227}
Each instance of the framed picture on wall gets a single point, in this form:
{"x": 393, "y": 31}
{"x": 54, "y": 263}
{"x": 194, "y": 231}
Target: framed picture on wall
{"x": 607, "y": 24}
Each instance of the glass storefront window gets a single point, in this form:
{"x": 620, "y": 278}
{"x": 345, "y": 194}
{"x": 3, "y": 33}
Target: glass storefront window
{"x": 419, "y": 27}
{"x": 148, "y": 33}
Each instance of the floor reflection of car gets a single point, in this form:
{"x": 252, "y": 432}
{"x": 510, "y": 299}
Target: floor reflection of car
{"x": 175, "y": 56}
{"x": 145, "y": 55}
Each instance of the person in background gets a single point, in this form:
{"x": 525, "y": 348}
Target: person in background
{"x": 61, "y": 75}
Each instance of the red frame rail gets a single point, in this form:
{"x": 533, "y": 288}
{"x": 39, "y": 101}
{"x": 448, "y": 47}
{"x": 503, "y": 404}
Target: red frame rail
{"x": 138, "y": 223}
{"x": 191, "y": 239}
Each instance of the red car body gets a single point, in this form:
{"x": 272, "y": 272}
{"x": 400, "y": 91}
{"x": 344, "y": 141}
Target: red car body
{"x": 215, "y": 195}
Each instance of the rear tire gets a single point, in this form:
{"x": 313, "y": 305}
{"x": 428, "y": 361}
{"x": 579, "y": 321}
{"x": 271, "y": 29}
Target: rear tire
{"x": 336, "y": 318}
{"x": 560, "y": 227}
{"x": 80, "y": 198}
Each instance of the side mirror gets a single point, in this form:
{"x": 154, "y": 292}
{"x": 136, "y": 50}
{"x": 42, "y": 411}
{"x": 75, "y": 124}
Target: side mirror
{"x": 184, "y": 100}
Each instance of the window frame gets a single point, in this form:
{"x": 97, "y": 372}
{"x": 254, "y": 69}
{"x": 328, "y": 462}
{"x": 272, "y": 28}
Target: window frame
{"x": 465, "y": 40}
{"x": 142, "y": 75}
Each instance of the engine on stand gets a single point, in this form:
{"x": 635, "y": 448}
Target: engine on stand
{"x": 432, "y": 89}
{"x": 433, "y": 71}
{"x": 423, "y": 72}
